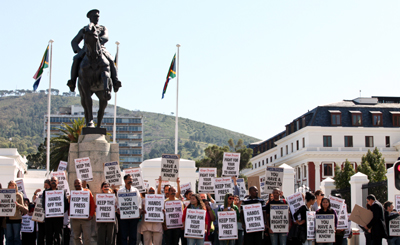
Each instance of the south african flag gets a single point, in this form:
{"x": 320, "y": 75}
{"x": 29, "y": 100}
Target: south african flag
{"x": 171, "y": 74}
{"x": 44, "y": 64}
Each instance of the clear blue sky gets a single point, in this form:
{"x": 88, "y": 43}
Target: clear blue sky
{"x": 247, "y": 66}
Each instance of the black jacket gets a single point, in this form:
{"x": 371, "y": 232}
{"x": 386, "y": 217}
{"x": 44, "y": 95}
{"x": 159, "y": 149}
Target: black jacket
{"x": 389, "y": 217}
{"x": 377, "y": 224}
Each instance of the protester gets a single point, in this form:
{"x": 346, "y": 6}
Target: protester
{"x": 326, "y": 209}
{"x": 117, "y": 232}
{"x": 389, "y": 215}
{"x": 172, "y": 235}
{"x": 253, "y": 238}
{"x": 238, "y": 203}
{"x": 41, "y": 225}
{"x": 29, "y": 238}
{"x": 302, "y": 211}
{"x": 2, "y": 226}
{"x": 317, "y": 205}
{"x": 377, "y": 225}
{"x": 129, "y": 227}
{"x": 229, "y": 206}
{"x": 211, "y": 218}
{"x": 105, "y": 230}
{"x": 13, "y": 223}
{"x": 195, "y": 203}
{"x": 54, "y": 225}
{"x": 275, "y": 236}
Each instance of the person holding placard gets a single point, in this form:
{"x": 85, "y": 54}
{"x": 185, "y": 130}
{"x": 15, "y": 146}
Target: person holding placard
{"x": 128, "y": 227}
{"x": 13, "y": 223}
{"x": 195, "y": 203}
{"x": 229, "y": 206}
{"x": 41, "y": 226}
{"x": 54, "y": 225}
{"x": 276, "y": 194}
{"x": 29, "y": 237}
{"x": 172, "y": 236}
{"x": 376, "y": 226}
{"x": 105, "y": 230}
{"x": 326, "y": 209}
{"x": 389, "y": 215}
{"x": 318, "y": 195}
{"x": 152, "y": 231}
{"x": 302, "y": 211}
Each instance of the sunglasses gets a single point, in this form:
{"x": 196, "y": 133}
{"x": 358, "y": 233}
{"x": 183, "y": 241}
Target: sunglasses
{"x": 152, "y": 191}
{"x": 322, "y": 195}
{"x": 231, "y": 198}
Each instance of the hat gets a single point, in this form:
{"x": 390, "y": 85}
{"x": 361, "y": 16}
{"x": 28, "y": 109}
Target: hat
{"x": 91, "y": 12}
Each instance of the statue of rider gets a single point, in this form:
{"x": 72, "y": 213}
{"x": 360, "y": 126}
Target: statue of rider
{"x": 93, "y": 16}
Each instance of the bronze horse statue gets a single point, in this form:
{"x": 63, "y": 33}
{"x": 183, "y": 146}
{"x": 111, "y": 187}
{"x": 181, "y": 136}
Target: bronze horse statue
{"x": 94, "y": 76}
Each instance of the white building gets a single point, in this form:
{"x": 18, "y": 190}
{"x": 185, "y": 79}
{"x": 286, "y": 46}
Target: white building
{"x": 314, "y": 143}
{"x": 12, "y": 165}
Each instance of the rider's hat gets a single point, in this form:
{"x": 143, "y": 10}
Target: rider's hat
{"x": 92, "y": 12}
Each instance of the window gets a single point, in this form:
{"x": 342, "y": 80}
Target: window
{"x": 303, "y": 122}
{"x": 271, "y": 159}
{"x": 336, "y": 118}
{"x": 297, "y": 124}
{"x": 369, "y": 141}
{"x": 327, "y": 170}
{"x": 305, "y": 171}
{"x": 298, "y": 173}
{"x": 287, "y": 149}
{"x": 255, "y": 165}
{"x": 327, "y": 140}
{"x": 377, "y": 118}
{"x": 387, "y": 141}
{"x": 356, "y": 119}
{"x": 281, "y": 152}
{"x": 348, "y": 141}
{"x": 263, "y": 162}
{"x": 292, "y": 146}
{"x": 396, "y": 120}
{"x": 304, "y": 142}
{"x": 297, "y": 145}
{"x": 267, "y": 160}
{"x": 275, "y": 157}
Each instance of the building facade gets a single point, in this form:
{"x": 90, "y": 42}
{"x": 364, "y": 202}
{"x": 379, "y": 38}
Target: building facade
{"x": 323, "y": 138}
{"x": 129, "y": 131}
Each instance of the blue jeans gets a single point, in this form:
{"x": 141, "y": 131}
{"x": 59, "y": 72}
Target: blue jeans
{"x": 394, "y": 240}
{"x": 192, "y": 241}
{"x": 128, "y": 228}
{"x": 308, "y": 242}
{"x": 239, "y": 241}
{"x": 275, "y": 236}
{"x": 13, "y": 234}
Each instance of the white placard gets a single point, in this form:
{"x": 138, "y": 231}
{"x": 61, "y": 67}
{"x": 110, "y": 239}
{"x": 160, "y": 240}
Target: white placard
{"x": 105, "y": 207}
{"x": 310, "y": 225}
{"x": 146, "y": 185}
{"x": 79, "y": 205}
{"x": 325, "y": 228}
{"x": 242, "y": 188}
{"x": 7, "y": 202}
{"x": 343, "y": 221}
{"x": 54, "y": 203}
{"x": 221, "y": 187}
{"x": 173, "y": 214}
{"x": 337, "y": 204}
{"x": 169, "y": 167}
{"x": 253, "y": 217}
{"x": 206, "y": 180}
{"x": 27, "y": 225}
{"x": 394, "y": 227}
{"x": 21, "y": 187}
{"x": 38, "y": 212}
{"x": 230, "y": 164}
{"x": 295, "y": 201}
{"x": 397, "y": 202}
{"x": 62, "y": 166}
{"x": 227, "y": 225}
{"x": 128, "y": 205}
{"x": 185, "y": 187}
{"x": 273, "y": 179}
{"x": 279, "y": 218}
{"x": 137, "y": 179}
{"x": 112, "y": 173}
{"x": 195, "y": 223}
{"x": 154, "y": 204}
{"x": 163, "y": 184}
{"x": 263, "y": 195}
{"x": 348, "y": 231}
{"x": 62, "y": 181}
{"x": 83, "y": 169}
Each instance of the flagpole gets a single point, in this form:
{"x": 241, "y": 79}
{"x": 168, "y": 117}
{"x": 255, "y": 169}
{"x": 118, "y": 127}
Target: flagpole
{"x": 49, "y": 109}
{"x": 177, "y": 92}
{"x": 115, "y": 102}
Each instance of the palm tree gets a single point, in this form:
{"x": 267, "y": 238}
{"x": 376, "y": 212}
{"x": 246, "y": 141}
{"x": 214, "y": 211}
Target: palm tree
{"x": 60, "y": 145}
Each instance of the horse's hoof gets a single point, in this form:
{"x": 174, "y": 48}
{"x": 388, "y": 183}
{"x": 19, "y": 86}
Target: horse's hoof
{"x": 71, "y": 85}
{"x": 116, "y": 86}
{"x": 107, "y": 94}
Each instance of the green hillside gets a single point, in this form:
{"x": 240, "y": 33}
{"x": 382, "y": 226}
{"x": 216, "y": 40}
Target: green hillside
{"x": 21, "y": 120}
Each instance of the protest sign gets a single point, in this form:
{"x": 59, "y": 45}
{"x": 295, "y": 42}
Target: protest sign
{"x": 337, "y": 204}
{"x": 242, "y": 188}
{"x": 230, "y": 164}
{"x": 79, "y": 205}
{"x": 263, "y": 195}
{"x": 112, "y": 173}
{"x": 310, "y": 225}
{"x": 128, "y": 205}
{"x": 195, "y": 223}
{"x": 38, "y": 212}
{"x": 62, "y": 166}
{"x": 163, "y": 183}
{"x": 154, "y": 204}
{"x": 137, "y": 179}
{"x": 173, "y": 214}
{"x": 206, "y": 180}
{"x": 27, "y": 225}
{"x": 221, "y": 187}
{"x": 295, "y": 201}
{"x": 360, "y": 215}
{"x": 279, "y": 218}
{"x": 273, "y": 179}
{"x": 146, "y": 185}
{"x": 397, "y": 202}
{"x": 253, "y": 217}
{"x": 394, "y": 227}
{"x": 105, "y": 207}
{"x": 227, "y": 225}
{"x": 62, "y": 181}
{"x": 185, "y": 187}
{"x": 325, "y": 228}
{"x": 54, "y": 203}
{"x": 342, "y": 219}
{"x": 21, "y": 187}
{"x": 348, "y": 231}
{"x": 7, "y": 202}
{"x": 83, "y": 169}
{"x": 169, "y": 167}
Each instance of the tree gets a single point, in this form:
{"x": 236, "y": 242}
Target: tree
{"x": 373, "y": 165}
{"x": 342, "y": 177}
{"x": 59, "y": 146}
{"x": 38, "y": 159}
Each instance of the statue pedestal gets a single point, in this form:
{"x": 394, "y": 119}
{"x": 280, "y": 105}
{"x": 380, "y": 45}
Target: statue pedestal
{"x": 96, "y": 147}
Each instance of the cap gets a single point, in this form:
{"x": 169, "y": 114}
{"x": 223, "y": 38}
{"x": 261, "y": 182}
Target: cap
{"x": 92, "y": 12}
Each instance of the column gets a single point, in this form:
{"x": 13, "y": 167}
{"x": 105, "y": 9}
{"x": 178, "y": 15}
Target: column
{"x": 288, "y": 179}
{"x": 317, "y": 175}
{"x": 356, "y": 182}
{"x": 327, "y": 185}
{"x": 392, "y": 191}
